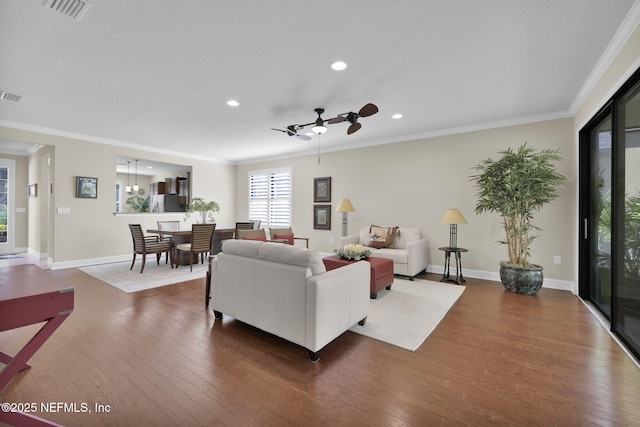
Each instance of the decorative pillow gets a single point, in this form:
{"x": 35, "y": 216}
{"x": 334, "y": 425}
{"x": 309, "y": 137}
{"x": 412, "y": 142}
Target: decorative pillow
{"x": 261, "y": 239}
{"x": 287, "y": 237}
{"x": 382, "y": 237}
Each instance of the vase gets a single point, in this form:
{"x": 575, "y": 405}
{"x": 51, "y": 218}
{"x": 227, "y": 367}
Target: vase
{"x": 521, "y": 280}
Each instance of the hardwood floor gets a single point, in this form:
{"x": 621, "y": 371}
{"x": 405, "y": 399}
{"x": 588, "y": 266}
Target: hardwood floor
{"x": 158, "y": 358}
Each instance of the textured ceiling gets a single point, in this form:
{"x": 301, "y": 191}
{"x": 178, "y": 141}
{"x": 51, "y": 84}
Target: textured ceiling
{"x": 158, "y": 73}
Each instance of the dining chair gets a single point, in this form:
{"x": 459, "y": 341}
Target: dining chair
{"x": 282, "y": 234}
{"x": 201, "y": 241}
{"x": 168, "y": 226}
{"x": 246, "y": 225}
{"x": 147, "y": 245}
{"x": 258, "y": 234}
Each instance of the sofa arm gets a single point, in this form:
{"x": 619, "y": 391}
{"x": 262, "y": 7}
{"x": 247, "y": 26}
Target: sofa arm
{"x": 417, "y": 256}
{"x": 336, "y": 300}
{"x": 348, "y": 240}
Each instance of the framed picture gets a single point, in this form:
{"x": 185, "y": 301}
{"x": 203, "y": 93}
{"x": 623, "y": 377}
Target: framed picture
{"x": 33, "y": 190}
{"x": 86, "y": 188}
{"x": 322, "y": 189}
{"x": 322, "y": 217}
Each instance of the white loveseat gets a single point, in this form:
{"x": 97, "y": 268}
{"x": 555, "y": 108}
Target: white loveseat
{"x": 409, "y": 252}
{"x": 286, "y": 291}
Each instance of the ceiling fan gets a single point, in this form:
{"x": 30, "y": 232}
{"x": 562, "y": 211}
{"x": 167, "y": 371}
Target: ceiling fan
{"x": 292, "y": 130}
{"x": 319, "y": 127}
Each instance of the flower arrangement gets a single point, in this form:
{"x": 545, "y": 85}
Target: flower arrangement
{"x": 353, "y": 251}
{"x": 202, "y": 210}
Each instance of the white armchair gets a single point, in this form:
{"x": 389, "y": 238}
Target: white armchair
{"x": 409, "y": 254}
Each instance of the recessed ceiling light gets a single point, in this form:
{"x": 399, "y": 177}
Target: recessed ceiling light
{"x": 338, "y": 65}
{"x": 396, "y": 116}
{"x": 233, "y": 103}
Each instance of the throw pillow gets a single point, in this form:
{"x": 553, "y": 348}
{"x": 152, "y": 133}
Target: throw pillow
{"x": 287, "y": 237}
{"x": 261, "y": 239}
{"x": 382, "y": 237}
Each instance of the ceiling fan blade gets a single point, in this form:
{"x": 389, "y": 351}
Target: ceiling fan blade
{"x": 280, "y": 130}
{"x": 335, "y": 120}
{"x": 303, "y": 137}
{"x": 368, "y": 110}
{"x": 354, "y": 128}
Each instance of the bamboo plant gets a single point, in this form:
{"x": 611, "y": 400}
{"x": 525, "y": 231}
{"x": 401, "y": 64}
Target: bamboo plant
{"x": 516, "y": 186}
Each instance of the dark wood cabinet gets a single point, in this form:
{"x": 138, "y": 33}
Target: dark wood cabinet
{"x": 156, "y": 188}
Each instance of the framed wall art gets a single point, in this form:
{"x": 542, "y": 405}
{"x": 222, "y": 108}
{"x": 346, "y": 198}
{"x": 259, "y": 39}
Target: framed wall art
{"x": 322, "y": 189}
{"x": 322, "y": 217}
{"x": 86, "y": 188}
{"x": 33, "y": 190}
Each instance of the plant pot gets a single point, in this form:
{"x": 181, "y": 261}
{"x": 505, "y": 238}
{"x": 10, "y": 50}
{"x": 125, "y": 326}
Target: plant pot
{"x": 521, "y": 280}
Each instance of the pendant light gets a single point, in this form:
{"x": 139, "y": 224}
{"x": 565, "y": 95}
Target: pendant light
{"x": 135, "y": 186}
{"x": 128, "y": 187}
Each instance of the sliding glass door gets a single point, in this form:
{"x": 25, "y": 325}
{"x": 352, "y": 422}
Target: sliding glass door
{"x": 626, "y": 316}
{"x": 610, "y": 213}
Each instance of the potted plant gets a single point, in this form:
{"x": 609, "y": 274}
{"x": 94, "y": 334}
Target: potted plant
{"x": 516, "y": 186}
{"x": 137, "y": 202}
{"x": 203, "y": 210}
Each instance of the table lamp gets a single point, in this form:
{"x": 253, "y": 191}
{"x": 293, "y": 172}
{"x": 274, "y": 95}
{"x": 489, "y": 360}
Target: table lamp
{"x": 345, "y": 207}
{"x": 453, "y": 217}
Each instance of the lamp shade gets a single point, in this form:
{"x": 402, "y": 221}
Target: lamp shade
{"x": 453, "y": 216}
{"x": 345, "y": 206}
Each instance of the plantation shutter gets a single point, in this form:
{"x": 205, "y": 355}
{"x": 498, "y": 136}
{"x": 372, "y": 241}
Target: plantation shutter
{"x": 270, "y": 197}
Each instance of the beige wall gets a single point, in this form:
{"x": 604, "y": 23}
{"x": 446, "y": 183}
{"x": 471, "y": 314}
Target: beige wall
{"x": 92, "y": 233}
{"x": 413, "y": 184}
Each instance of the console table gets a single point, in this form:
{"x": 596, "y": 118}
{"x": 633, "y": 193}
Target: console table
{"x": 446, "y": 277}
{"x": 29, "y": 295}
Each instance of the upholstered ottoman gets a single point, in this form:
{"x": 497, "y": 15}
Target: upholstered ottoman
{"x": 381, "y": 271}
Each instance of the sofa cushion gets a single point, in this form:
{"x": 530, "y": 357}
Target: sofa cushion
{"x": 293, "y": 255}
{"x": 406, "y": 235}
{"x": 398, "y": 256}
{"x": 382, "y": 237}
{"x": 248, "y": 248}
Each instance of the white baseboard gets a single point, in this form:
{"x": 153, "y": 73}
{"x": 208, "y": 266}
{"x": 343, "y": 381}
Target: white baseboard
{"x": 89, "y": 261}
{"x": 564, "y": 285}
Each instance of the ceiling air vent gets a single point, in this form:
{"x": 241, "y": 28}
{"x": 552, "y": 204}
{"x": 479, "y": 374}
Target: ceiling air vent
{"x": 74, "y": 9}
{"x": 10, "y": 96}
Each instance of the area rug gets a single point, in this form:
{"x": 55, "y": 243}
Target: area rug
{"x": 118, "y": 275}
{"x": 405, "y": 315}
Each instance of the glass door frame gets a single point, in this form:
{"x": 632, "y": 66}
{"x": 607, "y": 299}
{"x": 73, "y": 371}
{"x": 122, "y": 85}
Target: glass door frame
{"x": 587, "y": 203}
{"x": 10, "y": 245}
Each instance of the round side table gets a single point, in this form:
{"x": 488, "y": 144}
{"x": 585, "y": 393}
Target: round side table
{"x": 446, "y": 277}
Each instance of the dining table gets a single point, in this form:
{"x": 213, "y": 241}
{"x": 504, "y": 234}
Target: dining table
{"x": 184, "y": 236}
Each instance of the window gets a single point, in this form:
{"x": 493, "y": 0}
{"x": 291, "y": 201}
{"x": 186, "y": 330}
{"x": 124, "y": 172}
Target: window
{"x": 270, "y": 197}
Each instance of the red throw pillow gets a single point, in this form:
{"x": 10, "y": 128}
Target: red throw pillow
{"x": 261, "y": 238}
{"x": 287, "y": 237}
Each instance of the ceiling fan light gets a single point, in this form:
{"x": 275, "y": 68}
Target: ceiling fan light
{"x": 319, "y": 129}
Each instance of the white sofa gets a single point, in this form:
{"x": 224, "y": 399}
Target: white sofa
{"x": 409, "y": 254}
{"x": 286, "y": 291}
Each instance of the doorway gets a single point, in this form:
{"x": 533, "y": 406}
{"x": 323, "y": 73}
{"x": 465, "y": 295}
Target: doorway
{"x": 7, "y": 205}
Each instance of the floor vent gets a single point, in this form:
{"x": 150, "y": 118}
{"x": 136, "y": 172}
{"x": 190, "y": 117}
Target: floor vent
{"x": 10, "y": 96}
{"x": 74, "y": 9}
